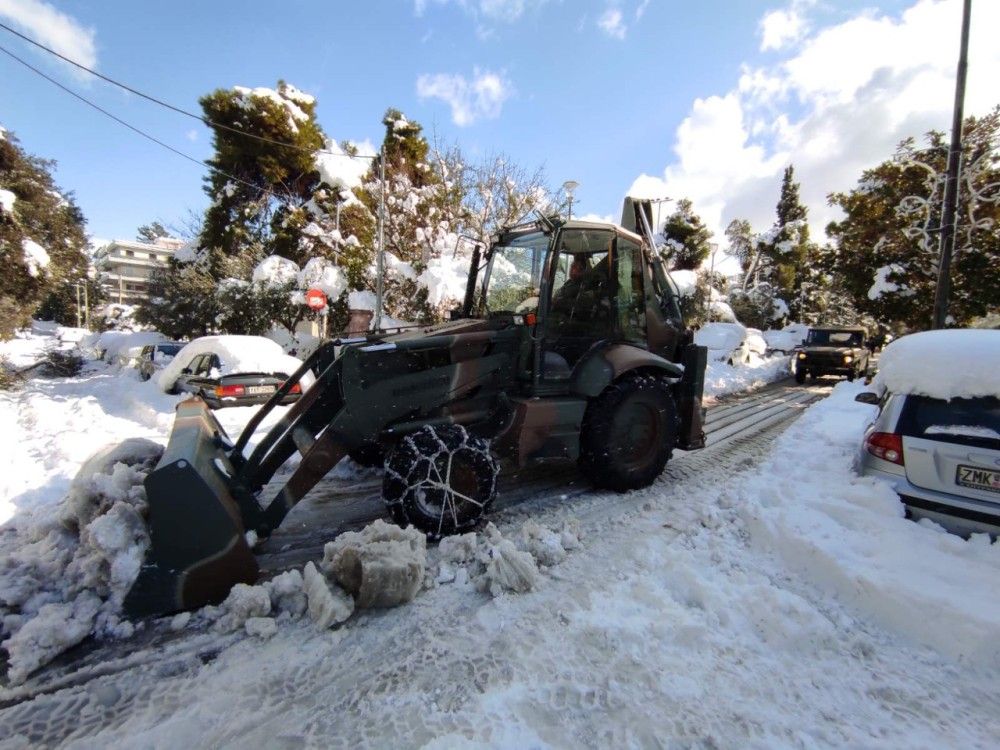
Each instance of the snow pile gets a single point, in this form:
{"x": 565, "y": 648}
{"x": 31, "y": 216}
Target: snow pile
{"x": 361, "y": 300}
{"x": 275, "y": 271}
{"x": 914, "y": 364}
{"x": 35, "y": 256}
{"x": 328, "y": 604}
{"x": 341, "y": 170}
{"x": 498, "y": 565}
{"x": 322, "y": 274}
{"x": 686, "y": 282}
{"x": 849, "y": 535}
{"x": 237, "y": 354}
{"x": 381, "y": 566}
{"x": 721, "y": 378}
{"x": 446, "y": 279}
{"x": 124, "y": 347}
{"x": 65, "y": 576}
{"x": 7, "y": 199}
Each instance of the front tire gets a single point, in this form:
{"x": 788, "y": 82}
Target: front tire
{"x": 800, "y": 376}
{"x": 440, "y": 479}
{"x": 628, "y": 433}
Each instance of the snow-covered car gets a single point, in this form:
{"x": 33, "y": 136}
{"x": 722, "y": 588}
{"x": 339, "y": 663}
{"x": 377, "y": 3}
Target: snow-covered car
{"x": 936, "y": 438}
{"x": 232, "y": 371}
{"x": 756, "y": 342}
{"x": 785, "y": 341}
{"x": 726, "y": 342}
{"x": 155, "y": 357}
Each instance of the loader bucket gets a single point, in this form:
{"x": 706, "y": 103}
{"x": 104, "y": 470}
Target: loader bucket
{"x": 197, "y": 547}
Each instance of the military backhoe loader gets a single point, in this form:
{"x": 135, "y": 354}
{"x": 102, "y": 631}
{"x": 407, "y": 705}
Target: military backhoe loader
{"x": 570, "y": 345}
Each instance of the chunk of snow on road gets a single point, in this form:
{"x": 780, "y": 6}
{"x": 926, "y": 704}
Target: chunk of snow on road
{"x": 64, "y": 576}
{"x": 261, "y": 627}
{"x": 328, "y": 604}
{"x": 35, "y": 256}
{"x": 945, "y": 364}
{"x": 244, "y": 602}
{"x": 381, "y": 566}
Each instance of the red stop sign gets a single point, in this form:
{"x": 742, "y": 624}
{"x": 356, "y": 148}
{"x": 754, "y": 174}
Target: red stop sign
{"x": 315, "y": 299}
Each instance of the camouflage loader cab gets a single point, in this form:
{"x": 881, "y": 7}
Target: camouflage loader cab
{"x": 570, "y": 347}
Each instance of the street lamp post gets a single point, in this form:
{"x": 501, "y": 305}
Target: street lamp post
{"x": 569, "y": 186}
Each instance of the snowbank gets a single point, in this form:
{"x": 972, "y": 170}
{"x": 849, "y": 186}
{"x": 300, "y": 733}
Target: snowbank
{"x": 721, "y": 378}
{"x": 848, "y": 534}
{"x": 66, "y": 578}
{"x": 958, "y": 363}
{"x": 236, "y": 354}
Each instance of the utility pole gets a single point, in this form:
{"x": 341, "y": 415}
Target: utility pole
{"x": 380, "y": 262}
{"x": 948, "y": 211}
{"x": 79, "y": 316}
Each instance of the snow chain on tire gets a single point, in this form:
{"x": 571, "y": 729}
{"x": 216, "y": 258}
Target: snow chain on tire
{"x": 440, "y": 479}
{"x": 629, "y": 432}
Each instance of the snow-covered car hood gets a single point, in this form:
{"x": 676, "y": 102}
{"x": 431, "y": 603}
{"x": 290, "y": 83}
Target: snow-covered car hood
{"x": 237, "y": 354}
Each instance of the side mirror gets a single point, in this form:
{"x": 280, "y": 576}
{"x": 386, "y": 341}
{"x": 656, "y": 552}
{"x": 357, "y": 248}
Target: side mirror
{"x": 867, "y": 397}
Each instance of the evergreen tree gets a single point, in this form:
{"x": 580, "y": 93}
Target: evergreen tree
{"x": 42, "y": 237}
{"x": 787, "y": 248}
{"x": 687, "y": 238}
{"x": 885, "y": 250}
{"x": 151, "y": 232}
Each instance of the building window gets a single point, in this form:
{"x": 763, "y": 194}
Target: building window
{"x": 129, "y": 254}
{"x": 152, "y": 256}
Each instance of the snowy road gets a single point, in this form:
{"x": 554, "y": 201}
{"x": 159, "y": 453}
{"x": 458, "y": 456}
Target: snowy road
{"x": 686, "y": 620}
{"x": 339, "y": 504}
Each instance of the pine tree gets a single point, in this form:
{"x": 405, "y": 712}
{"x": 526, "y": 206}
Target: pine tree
{"x": 42, "y": 239}
{"x": 687, "y": 238}
{"x": 151, "y": 232}
{"x": 787, "y": 248}
{"x": 885, "y": 250}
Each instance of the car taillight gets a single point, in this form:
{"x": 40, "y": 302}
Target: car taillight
{"x": 294, "y": 389}
{"x": 221, "y": 391}
{"x": 886, "y": 445}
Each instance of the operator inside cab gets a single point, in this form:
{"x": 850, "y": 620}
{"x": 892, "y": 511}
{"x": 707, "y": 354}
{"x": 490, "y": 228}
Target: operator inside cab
{"x": 578, "y": 298}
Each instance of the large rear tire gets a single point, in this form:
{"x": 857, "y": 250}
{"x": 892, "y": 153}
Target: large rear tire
{"x": 628, "y": 433}
{"x": 440, "y": 479}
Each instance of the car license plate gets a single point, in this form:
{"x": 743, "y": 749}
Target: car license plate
{"x": 978, "y": 479}
{"x": 254, "y": 390}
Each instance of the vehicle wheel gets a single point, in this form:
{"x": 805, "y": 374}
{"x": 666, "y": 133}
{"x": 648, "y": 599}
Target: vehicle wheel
{"x": 800, "y": 376}
{"x": 440, "y": 479}
{"x": 852, "y": 375}
{"x": 369, "y": 455}
{"x": 628, "y": 433}
{"x": 143, "y": 375}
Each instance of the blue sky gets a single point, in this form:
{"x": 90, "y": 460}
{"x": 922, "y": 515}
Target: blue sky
{"x": 707, "y": 99}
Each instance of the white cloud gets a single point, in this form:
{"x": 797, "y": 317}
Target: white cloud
{"x": 482, "y": 97}
{"x": 54, "y": 29}
{"x": 506, "y": 11}
{"x": 611, "y": 23}
{"x": 641, "y": 10}
{"x": 836, "y": 105}
{"x": 780, "y": 27}
{"x": 191, "y": 135}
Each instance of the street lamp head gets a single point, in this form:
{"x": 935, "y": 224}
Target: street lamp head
{"x": 569, "y": 186}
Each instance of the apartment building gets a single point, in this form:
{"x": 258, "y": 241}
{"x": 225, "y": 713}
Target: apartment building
{"x": 125, "y": 267}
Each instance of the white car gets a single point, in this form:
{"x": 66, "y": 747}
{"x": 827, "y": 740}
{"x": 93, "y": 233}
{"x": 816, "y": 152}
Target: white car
{"x": 756, "y": 342}
{"x": 726, "y": 342}
{"x": 936, "y": 436}
{"x": 785, "y": 340}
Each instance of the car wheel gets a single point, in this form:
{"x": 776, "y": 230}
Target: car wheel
{"x": 440, "y": 479}
{"x": 800, "y": 376}
{"x": 628, "y": 433}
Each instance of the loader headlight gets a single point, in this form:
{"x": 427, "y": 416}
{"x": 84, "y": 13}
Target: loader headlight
{"x": 848, "y": 359}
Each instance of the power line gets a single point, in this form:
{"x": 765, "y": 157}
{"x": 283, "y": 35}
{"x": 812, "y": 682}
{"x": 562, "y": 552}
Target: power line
{"x": 133, "y": 127}
{"x": 168, "y": 105}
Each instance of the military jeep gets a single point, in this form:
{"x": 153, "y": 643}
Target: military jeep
{"x": 832, "y": 351}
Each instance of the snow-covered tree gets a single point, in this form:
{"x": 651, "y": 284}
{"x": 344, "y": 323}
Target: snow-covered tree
{"x": 687, "y": 238}
{"x": 42, "y": 239}
{"x": 885, "y": 251}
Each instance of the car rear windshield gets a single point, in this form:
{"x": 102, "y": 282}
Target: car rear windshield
{"x": 835, "y": 338}
{"x": 169, "y": 349}
{"x": 966, "y": 421}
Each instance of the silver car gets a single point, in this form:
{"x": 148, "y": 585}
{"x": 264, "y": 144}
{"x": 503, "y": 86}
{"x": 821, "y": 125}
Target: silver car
{"x": 942, "y": 457}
